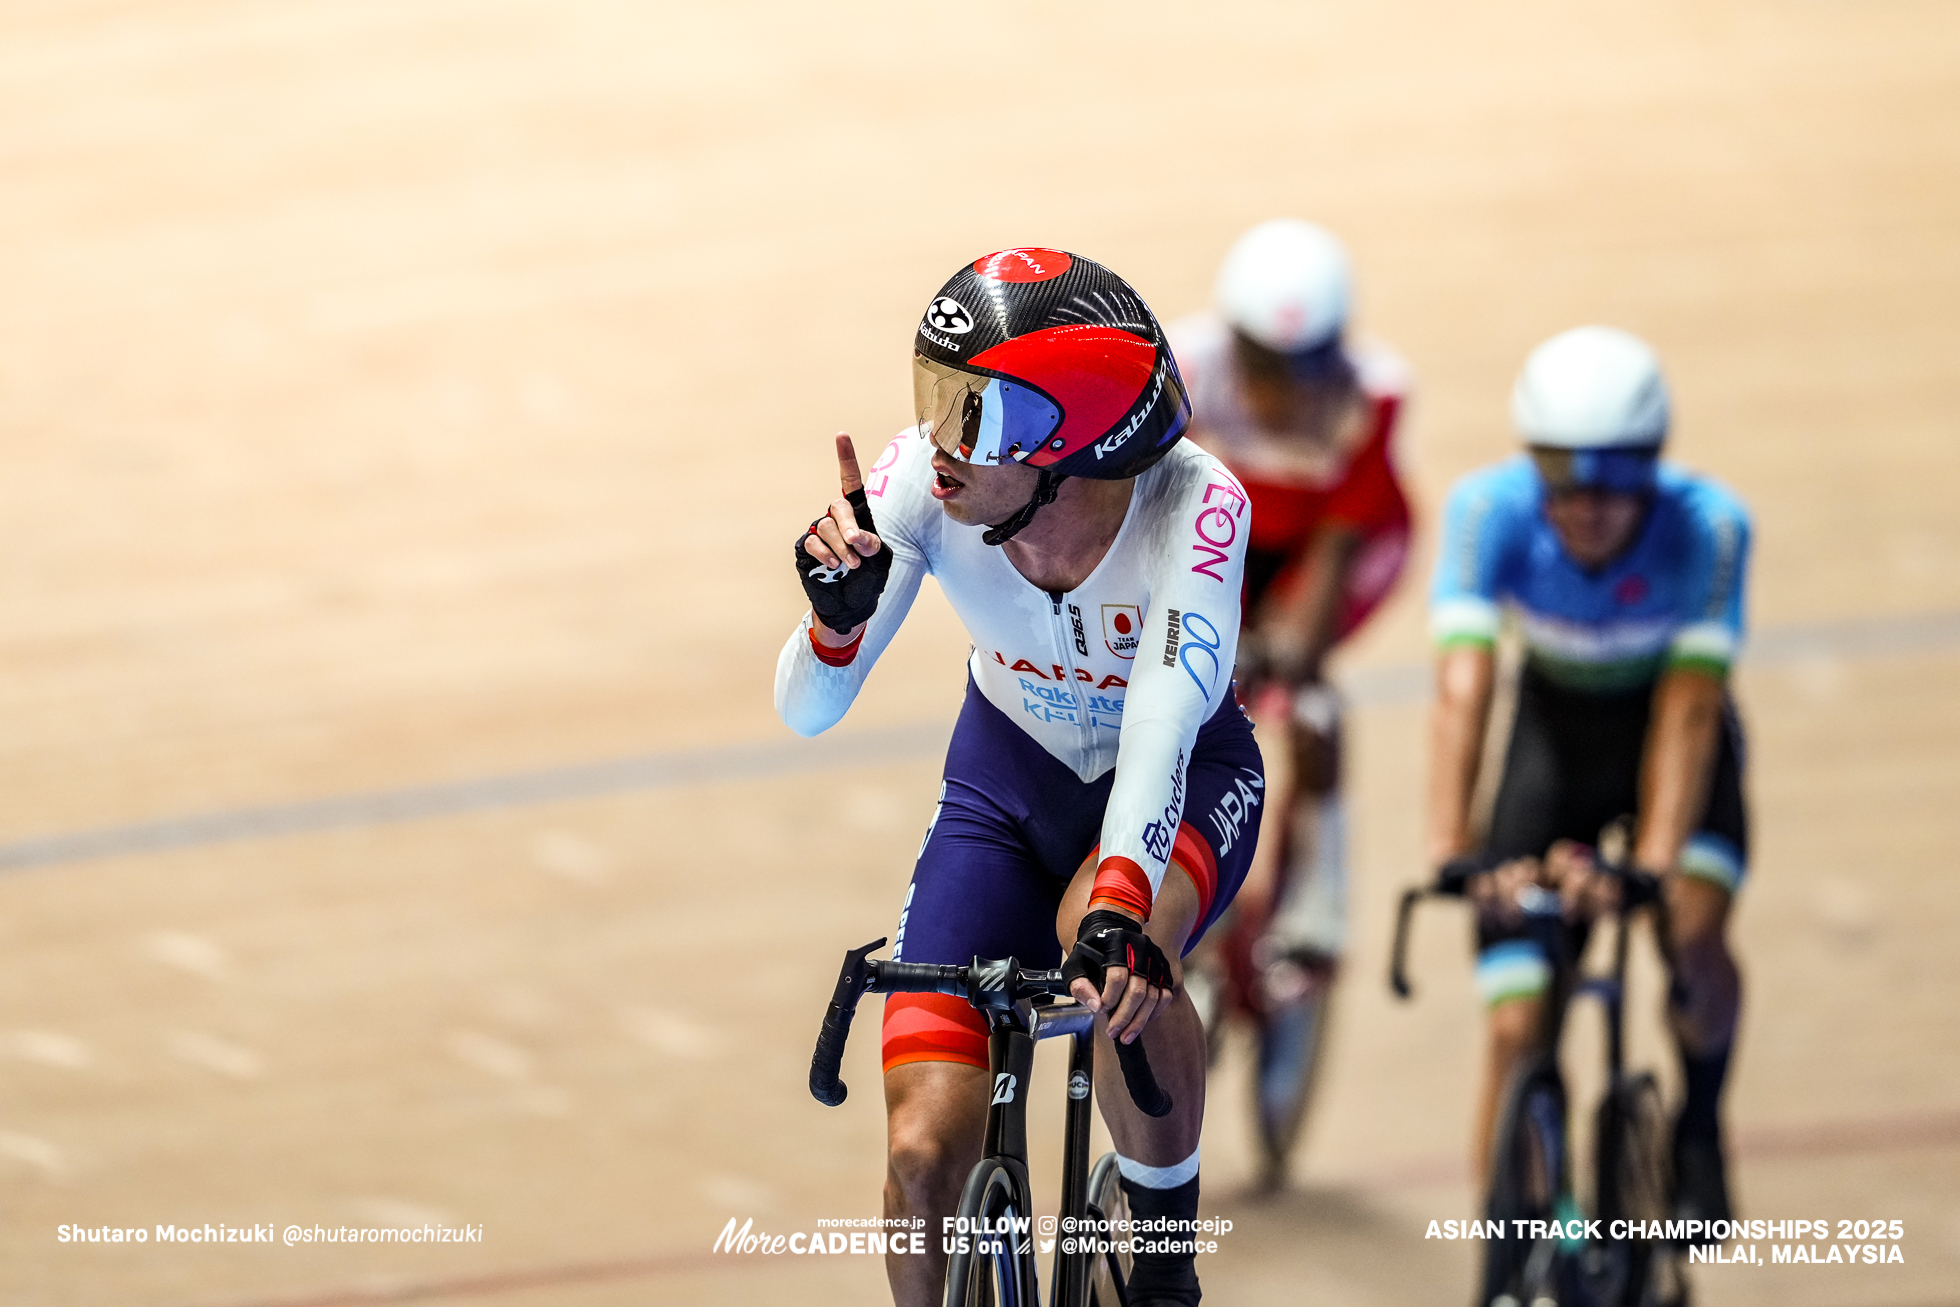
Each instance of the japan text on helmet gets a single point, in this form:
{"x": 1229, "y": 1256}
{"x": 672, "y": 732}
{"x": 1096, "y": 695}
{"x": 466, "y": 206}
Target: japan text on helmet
{"x": 1593, "y": 406}
{"x": 1044, "y": 358}
{"x": 1285, "y": 287}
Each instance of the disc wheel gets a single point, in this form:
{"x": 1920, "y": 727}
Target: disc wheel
{"x": 1109, "y": 1272}
{"x": 994, "y": 1269}
{"x": 1527, "y": 1177}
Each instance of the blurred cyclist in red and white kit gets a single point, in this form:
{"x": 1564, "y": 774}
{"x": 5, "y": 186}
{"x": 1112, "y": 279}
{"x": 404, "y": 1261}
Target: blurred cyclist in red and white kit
{"x": 1306, "y": 419}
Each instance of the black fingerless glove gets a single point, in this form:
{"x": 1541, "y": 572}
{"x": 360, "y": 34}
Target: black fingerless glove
{"x": 845, "y": 597}
{"x": 1109, "y": 939}
{"x": 1453, "y": 877}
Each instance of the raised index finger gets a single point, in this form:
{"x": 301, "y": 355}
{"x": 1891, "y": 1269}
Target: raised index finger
{"x": 847, "y": 464}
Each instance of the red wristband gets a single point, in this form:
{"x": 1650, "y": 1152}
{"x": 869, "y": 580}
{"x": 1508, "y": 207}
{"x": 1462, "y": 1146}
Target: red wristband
{"x": 1121, "y": 884}
{"x": 841, "y": 656}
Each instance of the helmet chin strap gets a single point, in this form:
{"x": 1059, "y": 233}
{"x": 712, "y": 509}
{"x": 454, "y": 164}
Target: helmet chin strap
{"x": 1044, "y": 493}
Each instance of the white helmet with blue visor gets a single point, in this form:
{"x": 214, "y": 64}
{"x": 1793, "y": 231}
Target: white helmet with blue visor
{"x": 1593, "y": 406}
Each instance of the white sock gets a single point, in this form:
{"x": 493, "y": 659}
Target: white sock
{"x": 1158, "y": 1177}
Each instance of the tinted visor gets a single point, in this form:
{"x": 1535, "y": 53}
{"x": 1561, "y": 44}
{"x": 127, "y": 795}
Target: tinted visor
{"x": 1626, "y": 471}
{"x": 981, "y": 419}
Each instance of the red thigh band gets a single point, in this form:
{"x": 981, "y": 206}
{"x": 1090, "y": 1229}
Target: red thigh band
{"x": 933, "y": 1028}
{"x": 1193, "y": 853}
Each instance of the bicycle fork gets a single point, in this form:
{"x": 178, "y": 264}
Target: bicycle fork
{"x": 1071, "y": 1282}
{"x": 1010, "y": 1057}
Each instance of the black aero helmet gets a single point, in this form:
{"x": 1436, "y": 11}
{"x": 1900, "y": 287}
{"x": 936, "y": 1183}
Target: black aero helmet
{"x": 1041, "y": 357}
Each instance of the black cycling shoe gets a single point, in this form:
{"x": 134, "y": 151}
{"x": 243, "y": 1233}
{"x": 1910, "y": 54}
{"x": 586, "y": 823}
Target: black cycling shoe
{"x": 1701, "y": 1185}
{"x": 1164, "y": 1300}
{"x": 1163, "y": 1285}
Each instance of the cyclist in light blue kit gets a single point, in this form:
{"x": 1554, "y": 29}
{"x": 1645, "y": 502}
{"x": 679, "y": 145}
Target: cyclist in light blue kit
{"x": 1626, "y": 577}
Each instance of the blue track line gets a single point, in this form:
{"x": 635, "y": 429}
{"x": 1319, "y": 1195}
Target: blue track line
{"x": 1398, "y": 684}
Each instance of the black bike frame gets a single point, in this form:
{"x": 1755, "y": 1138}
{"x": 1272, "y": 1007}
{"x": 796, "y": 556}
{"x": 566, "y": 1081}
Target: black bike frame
{"x": 1015, "y": 1021}
{"x": 1546, "y": 927}
{"x": 1544, "y": 924}
{"x": 1011, "y": 1040}
{"x": 1609, "y": 989}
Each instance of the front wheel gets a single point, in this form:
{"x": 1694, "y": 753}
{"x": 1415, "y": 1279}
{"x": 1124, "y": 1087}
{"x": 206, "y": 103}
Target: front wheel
{"x": 1527, "y": 1179}
{"x": 1209, "y": 988}
{"x": 1109, "y": 1271}
{"x": 994, "y": 1268}
{"x": 1633, "y": 1170}
{"x": 1630, "y": 1170}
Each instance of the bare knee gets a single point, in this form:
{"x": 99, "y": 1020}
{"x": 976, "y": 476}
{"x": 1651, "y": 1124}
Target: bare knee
{"x": 1698, "y": 918}
{"x": 1706, "y": 995}
{"x": 1703, "y": 960}
{"x": 1513, "y": 1030}
{"x": 920, "y": 1161}
{"x": 935, "y": 1115}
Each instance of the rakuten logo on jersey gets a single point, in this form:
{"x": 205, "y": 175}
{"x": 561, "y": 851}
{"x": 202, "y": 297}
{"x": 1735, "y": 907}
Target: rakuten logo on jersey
{"x": 1057, "y": 703}
{"x": 1217, "y": 527}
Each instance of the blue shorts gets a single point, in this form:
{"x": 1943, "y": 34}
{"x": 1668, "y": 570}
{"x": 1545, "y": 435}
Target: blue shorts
{"x": 1012, "y": 827}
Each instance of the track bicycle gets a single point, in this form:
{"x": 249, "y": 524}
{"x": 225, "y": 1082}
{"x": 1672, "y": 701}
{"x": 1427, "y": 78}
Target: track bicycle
{"x": 1286, "y": 1003}
{"x": 994, "y": 1265}
{"x": 1242, "y": 971}
{"x": 1530, "y": 1180}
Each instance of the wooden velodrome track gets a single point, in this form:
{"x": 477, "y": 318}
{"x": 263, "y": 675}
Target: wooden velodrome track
{"x": 413, "y": 401}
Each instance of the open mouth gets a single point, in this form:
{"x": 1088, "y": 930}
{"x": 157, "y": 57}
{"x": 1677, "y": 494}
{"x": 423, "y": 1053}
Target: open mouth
{"x": 945, "y": 485}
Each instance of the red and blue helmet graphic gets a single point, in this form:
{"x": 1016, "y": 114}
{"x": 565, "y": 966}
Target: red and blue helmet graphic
{"x": 1045, "y": 358}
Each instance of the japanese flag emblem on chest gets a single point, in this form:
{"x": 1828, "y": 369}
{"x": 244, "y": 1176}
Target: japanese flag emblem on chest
{"x": 1122, "y": 628}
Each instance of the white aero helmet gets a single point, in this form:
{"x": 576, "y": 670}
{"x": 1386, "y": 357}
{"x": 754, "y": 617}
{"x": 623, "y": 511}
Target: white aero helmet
{"x": 1591, "y": 388}
{"x": 1285, "y": 285}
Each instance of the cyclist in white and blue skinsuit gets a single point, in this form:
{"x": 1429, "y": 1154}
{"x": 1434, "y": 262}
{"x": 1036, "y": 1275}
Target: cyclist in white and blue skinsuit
{"x": 1102, "y": 785}
{"x": 1626, "y": 577}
